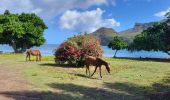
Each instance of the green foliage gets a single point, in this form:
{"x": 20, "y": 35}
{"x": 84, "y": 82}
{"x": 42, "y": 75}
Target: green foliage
{"x": 76, "y": 48}
{"x": 117, "y": 44}
{"x": 21, "y": 31}
{"x": 156, "y": 38}
{"x": 7, "y": 12}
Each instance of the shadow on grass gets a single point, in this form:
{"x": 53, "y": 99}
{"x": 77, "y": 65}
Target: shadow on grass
{"x": 146, "y": 59}
{"x": 161, "y": 91}
{"x": 164, "y": 86}
{"x": 36, "y": 95}
{"x": 120, "y": 92}
{"x": 58, "y": 65}
{"x": 158, "y": 91}
{"x": 84, "y": 76}
{"x": 109, "y": 91}
{"x": 80, "y": 75}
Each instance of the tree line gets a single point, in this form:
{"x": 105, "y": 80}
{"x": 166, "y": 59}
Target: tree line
{"x": 155, "y": 38}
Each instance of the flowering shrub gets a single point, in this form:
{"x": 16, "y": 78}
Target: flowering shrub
{"x": 76, "y": 48}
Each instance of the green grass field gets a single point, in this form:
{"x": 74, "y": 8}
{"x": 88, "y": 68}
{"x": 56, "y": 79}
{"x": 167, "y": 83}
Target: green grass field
{"x": 130, "y": 79}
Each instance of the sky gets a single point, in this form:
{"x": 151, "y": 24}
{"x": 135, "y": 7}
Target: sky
{"x": 66, "y": 18}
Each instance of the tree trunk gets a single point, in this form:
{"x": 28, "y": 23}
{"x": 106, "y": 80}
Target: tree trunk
{"x": 22, "y": 50}
{"x": 14, "y": 48}
{"x": 115, "y": 54}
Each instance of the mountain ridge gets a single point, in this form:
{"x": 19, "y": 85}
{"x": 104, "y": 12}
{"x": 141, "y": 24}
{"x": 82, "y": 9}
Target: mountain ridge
{"x": 106, "y": 34}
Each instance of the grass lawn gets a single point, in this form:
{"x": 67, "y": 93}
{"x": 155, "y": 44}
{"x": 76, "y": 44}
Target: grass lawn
{"x": 130, "y": 79}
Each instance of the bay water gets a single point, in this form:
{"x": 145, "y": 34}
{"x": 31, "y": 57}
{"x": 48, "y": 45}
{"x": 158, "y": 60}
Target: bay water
{"x": 48, "y": 50}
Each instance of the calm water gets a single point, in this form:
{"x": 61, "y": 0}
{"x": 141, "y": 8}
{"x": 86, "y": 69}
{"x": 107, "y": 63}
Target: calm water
{"x": 47, "y": 50}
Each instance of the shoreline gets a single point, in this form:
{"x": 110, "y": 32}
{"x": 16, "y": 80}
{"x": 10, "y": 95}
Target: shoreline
{"x": 131, "y": 58}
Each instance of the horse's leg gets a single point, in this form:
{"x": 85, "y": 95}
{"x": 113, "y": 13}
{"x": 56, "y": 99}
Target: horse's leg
{"x": 94, "y": 70}
{"x": 26, "y": 57}
{"x": 29, "y": 57}
{"x": 87, "y": 69}
{"x": 36, "y": 57}
{"x": 40, "y": 56}
{"x": 100, "y": 71}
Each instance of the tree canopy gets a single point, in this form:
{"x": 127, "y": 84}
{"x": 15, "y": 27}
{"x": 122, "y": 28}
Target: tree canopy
{"x": 117, "y": 43}
{"x": 156, "y": 38}
{"x": 21, "y": 31}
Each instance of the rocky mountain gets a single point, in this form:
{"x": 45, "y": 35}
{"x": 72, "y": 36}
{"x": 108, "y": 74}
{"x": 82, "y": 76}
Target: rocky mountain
{"x": 129, "y": 34}
{"x": 138, "y": 27}
{"x": 105, "y": 34}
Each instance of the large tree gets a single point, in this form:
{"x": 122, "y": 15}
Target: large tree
{"x": 156, "y": 38}
{"x": 117, "y": 43}
{"x": 21, "y": 31}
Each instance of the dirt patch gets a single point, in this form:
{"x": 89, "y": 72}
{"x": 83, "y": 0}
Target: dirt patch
{"x": 11, "y": 80}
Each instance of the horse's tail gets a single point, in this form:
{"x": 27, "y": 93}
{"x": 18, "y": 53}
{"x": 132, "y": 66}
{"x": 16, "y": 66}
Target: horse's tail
{"x": 26, "y": 55}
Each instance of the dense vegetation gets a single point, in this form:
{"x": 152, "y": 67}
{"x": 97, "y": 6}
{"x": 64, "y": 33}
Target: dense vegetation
{"x": 156, "y": 38}
{"x": 117, "y": 43}
{"x": 76, "y": 48}
{"x": 21, "y": 31}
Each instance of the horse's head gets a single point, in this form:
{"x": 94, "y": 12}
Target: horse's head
{"x": 108, "y": 67}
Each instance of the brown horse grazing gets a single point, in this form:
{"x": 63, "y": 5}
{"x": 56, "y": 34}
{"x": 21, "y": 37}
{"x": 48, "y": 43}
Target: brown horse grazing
{"x": 97, "y": 62}
{"x": 36, "y": 53}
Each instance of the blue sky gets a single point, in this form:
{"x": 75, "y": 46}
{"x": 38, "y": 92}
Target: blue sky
{"x": 66, "y": 18}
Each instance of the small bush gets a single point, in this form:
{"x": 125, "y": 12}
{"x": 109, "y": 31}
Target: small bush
{"x": 75, "y": 49}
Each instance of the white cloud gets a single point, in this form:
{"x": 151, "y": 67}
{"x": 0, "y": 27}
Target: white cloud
{"x": 162, "y": 13}
{"x": 85, "y": 21}
{"x": 48, "y": 8}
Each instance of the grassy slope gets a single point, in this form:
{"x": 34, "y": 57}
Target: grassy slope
{"x": 129, "y": 79}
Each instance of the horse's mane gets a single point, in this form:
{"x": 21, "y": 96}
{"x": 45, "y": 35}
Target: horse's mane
{"x": 102, "y": 61}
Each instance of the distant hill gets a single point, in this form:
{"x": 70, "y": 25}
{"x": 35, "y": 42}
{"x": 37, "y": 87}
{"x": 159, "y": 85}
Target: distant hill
{"x": 129, "y": 34}
{"x": 105, "y": 34}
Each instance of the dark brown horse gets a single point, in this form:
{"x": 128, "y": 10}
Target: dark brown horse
{"x": 36, "y": 53}
{"x": 97, "y": 62}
